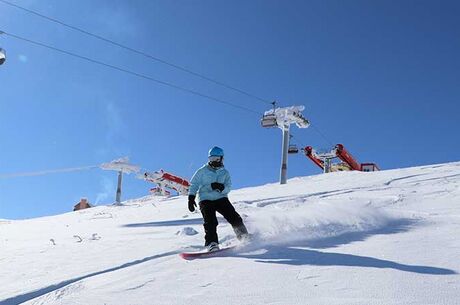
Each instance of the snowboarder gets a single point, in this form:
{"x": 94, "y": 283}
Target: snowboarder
{"x": 212, "y": 183}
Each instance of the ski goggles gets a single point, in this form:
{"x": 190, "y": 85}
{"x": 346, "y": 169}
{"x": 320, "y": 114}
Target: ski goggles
{"x": 215, "y": 158}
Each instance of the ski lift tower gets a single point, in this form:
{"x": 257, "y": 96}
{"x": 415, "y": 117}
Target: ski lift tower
{"x": 283, "y": 118}
{"x": 121, "y": 165}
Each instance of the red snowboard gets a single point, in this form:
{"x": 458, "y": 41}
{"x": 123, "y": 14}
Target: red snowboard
{"x": 205, "y": 253}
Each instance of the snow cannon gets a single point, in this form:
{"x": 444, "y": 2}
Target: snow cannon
{"x": 165, "y": 181}
{"x": 310, "y": 153}
{"x": 325, "y": 160}
{"x": 346, "y": 157}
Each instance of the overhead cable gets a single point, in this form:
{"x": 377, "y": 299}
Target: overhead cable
{"x": 168, "y": 84}
{"x": 137, "y": 52}
{"x": 46, "y": 172}
{"x": 321, "y": 134}
{"x": 123, "y": 46}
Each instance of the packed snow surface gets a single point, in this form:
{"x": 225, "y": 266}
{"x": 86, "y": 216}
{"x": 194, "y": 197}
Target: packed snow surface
{"x": 389, "y": 237}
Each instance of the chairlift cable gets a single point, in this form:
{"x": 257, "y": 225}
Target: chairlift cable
{"x": 138, "y": 52}
{"x": 171, "y": 85}
{"x": 46, "y": 172}
{"x": 148, "y": 56}
{"x": 297, "y": 140}
{"x": 317, "y": 131}
{"x": 322, "y": 135}
{"x": 273, "y": 103}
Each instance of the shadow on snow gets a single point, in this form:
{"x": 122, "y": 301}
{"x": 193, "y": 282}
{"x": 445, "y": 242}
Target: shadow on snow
{"x": 291, "y": 255}
{"x": 40, "y": 292}
{"x": 295, "y": 253}
{"x": 170, "y": 223}
{"x": 167, "y": 223}
{"x": 393, "y": 227}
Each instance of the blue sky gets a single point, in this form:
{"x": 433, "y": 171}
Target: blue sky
{"x": 381, "y": 77}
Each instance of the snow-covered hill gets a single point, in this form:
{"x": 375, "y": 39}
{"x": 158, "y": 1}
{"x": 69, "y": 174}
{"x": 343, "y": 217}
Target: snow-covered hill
{"x": 389, "y": 237}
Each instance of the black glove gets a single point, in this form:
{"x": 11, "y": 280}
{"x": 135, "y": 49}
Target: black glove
{"x": 217, "y": 186}
{"x": 191, "y": 203}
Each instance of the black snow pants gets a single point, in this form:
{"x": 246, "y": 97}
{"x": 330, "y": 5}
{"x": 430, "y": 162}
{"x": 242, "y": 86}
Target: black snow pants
{"x": 225, "y": 208}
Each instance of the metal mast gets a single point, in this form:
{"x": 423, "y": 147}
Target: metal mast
{"x": 283, "y": 118}
{"x": 121, "y": 166}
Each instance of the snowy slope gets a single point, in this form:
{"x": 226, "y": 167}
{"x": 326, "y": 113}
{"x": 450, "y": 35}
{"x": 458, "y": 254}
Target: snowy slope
{"x": 388, "y": 237}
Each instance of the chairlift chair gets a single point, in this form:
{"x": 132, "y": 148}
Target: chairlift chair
{"x": 293, "y": 149}
{"x": 269, "y": 120}
{"x": 2, "y": 56}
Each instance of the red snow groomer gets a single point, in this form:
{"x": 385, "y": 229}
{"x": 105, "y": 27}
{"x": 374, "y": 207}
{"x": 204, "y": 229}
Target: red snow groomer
{"x": 325, "y": 160}
{"x": 165, "y": 182}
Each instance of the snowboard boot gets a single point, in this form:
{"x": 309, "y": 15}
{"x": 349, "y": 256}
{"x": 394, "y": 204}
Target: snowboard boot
{"x": 213, "y": 246}
{"x": 241, "y": 233}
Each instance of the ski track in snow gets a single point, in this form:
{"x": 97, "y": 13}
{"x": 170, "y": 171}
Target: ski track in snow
{"x": 313, "y": 222}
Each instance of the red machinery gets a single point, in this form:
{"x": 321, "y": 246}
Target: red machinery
{"x": 347, "y": 158}
{"x": 165, "y": 181}
{"x": 311, "y": 154}
{"x": 323, "y": 160}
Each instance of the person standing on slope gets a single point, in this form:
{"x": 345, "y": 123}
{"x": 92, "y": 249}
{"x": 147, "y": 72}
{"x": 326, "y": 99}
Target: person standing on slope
{"x": 212, "y": 183}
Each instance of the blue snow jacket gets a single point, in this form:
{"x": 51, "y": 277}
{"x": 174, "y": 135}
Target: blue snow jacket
{"x": 202, "y": 179}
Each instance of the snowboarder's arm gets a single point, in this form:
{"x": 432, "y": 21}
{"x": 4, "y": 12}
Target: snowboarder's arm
{"x": 195, "y": 183}
{"x": 227, "y": 184}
